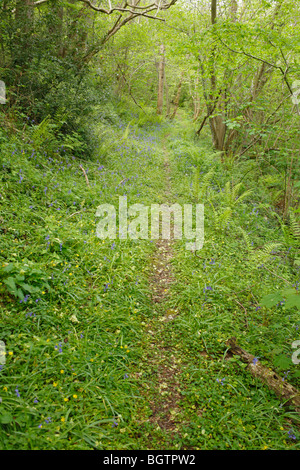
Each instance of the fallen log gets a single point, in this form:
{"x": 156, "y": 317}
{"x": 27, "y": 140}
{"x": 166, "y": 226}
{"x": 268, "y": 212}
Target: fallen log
{"x": 285, "y": 391}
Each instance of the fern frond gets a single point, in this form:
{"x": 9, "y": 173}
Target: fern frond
{"x": 221, "y": 219}
{"x": 41, "y": 132}
{"x": 246, "y": 238}
{"x": 227, "y": 192}
{"x": 263, "y": 255}
{"x": 231, "y": 194}
{"x": 42, "y": 126}
{"x": 243, "y": 196}
{"x": 269, "y": 247}
{"x": 295, "y": 226}
{"x": 206, "y": 182}
{"x": 235, "y": 191}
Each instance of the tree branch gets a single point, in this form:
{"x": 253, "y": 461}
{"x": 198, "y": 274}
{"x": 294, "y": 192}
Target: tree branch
{"x": 247, "y": 54}
{"x": 132, "y": 8}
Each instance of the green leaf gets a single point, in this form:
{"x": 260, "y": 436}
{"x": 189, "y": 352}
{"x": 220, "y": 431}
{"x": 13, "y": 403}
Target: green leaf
{"x": 6, "y": 418}
{"x": 29, "y": 288}
{"x": 20, "y": 294}
{"x": 11, "y": 284}
{"x": 288, "y": 292}
{"x": 293, "y": 301}
{"x": 8, "y": 268}
{"x": 282, "y": 362}
{"x": 271, "y": 299}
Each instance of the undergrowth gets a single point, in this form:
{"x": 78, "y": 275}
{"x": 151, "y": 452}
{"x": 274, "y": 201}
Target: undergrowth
{"x": 73, "y": 306}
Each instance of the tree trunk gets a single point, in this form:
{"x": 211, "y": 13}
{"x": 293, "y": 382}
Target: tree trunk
{"x": 168, "y": 104}
{"x": 56, "y": 27}
{"x": 233, "y": 10}
{"x": 161, "y": 79}
{"x": 282, "y": 389}
{"x": 213, "y": 11}
{"x": 24, "y": 23}
{"x": 177, "y": 97}
{"x": 4, "y": 18}
{"x": 196, "y": 99}
{"x": 217, "y": 125}
{"x": 218, "y": 130}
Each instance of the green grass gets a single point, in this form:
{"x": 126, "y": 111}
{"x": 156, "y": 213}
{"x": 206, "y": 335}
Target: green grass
{"x": 70, "y": 302}
{"x": 74, "y": 307}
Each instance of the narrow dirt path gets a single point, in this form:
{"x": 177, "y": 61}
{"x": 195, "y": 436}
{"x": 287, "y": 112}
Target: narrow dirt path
{"x": 162, "y": 356}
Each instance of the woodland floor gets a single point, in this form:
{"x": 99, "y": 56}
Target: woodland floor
{"x": 123, "y": 344}
{"x": 164, "y": 400}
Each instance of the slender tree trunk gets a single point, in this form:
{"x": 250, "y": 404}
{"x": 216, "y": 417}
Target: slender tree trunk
{"x": 4, "y": 16}
{"x": 233, "y": 9}
{"x": 168, "y": 104}
{"x": 217, "y": 100}
{"x": 62, "y": 49}
{"x": 177, "y": 97}
{"x": 217, "y": 125}
{"x": 161, "y": 79}
{"x": 260, "y": 79}
{"x": 24, "y": 23}
{"x": 56, "y": 27}
{"x": 194, "y": 93}
{"x": 196, "y": 99}
{"x": 213, "y": 11}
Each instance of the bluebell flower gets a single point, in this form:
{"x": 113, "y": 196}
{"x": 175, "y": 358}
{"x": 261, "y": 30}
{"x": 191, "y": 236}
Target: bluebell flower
{"x": 221, "y": 381}
{"x": 207, "y": 288}
{"x": 291, "y": 434}
{"x": 285, "y": 375}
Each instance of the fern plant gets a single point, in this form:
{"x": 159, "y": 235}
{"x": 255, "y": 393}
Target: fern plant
{"x": 295, "y": 227}
{"x": 291, "y": 236}
{"x": 246, "y": 239}
{"x": 231, "y": 194}
{"x": 42, "y": 132}
{"x": 221, "y": 218}
{"x": 45, "y": 134}
{"x": 263, "y": 255}
{"x": 200, "y": 188}
{"x": 206, "y": 180}
{"x": 229, "y": 198}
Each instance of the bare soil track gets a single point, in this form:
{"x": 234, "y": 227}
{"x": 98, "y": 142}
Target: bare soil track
{"x": 165, "y": 402}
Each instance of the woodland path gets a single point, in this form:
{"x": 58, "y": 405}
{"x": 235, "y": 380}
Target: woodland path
{"x": 162, "y": 356}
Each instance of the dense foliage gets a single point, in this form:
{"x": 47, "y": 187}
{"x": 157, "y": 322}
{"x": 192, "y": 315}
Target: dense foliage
{"x": 191, "y": 102}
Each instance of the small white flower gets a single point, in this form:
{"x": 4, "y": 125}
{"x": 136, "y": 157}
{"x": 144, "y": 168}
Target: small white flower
{"x": 74, "y": 319}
